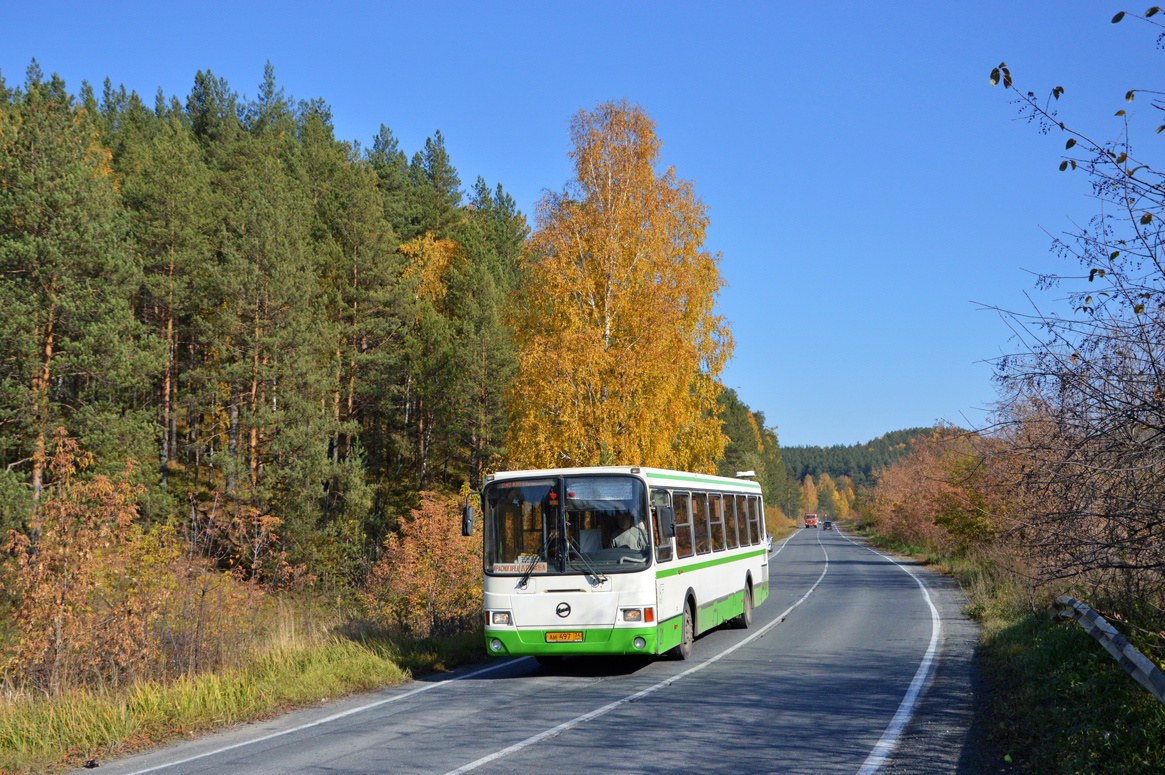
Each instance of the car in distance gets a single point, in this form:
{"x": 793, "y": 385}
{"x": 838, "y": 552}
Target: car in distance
{"x": 827, "y": 526}
{"x": 811, "y": 521}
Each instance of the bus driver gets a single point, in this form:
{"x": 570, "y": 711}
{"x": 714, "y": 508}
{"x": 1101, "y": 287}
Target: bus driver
{"x": 629, "y": 536}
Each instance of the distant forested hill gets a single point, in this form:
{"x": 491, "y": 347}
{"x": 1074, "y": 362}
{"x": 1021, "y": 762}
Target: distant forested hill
{"x": 860, "y": 462}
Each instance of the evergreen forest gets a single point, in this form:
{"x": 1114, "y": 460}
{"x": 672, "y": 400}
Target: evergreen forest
{"x": 860, "y": 462}
{"x": 255, "y": 312}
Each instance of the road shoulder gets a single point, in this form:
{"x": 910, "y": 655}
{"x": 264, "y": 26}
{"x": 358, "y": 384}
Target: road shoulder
{"x": 945, "y": 736}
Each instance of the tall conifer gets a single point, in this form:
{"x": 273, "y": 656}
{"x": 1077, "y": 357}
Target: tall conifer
{"x": 72, "y": 353}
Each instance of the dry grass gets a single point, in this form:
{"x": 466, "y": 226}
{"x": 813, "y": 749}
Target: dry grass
{"x": 303, "y": 660}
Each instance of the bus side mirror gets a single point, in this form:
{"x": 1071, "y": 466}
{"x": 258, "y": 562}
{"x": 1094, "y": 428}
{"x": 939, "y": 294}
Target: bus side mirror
{"x": 667, "y": 521}
{"x": 467, "y": 516}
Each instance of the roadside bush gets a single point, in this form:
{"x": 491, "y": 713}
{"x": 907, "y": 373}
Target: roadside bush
{"x": 67, "y": 625}
{"x": 96, "y": 599}
{"x": 939, "y": 496}
{"x": 428, "y": 580}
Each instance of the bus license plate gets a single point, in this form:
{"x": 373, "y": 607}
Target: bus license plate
{"x": 564, "y": 637}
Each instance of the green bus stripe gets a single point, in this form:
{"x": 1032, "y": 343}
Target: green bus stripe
{"x": 708, "y": 481}
{"x": 663, "y": 574}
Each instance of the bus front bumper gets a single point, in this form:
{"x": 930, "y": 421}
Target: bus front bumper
{"x": 601, "y": 640}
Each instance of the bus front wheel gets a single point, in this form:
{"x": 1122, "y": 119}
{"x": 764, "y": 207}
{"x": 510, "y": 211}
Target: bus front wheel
{"x": 687, "y": 635}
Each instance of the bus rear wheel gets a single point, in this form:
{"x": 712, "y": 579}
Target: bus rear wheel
{"x": 687, "y": 635}
{"x": 744, "y": 620}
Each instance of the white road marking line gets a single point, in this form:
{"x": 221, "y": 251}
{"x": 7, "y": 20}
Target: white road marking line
{"x": 889, "y": 740}
{"x": 574, "y": 722}
{"x": 328, "y": 719}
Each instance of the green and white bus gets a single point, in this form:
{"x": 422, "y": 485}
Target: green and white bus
{"x": 617, "y": 560}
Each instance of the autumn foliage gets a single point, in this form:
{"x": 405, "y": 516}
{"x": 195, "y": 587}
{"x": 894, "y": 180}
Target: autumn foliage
{"x": 619, "y": 342}
{"x": 428, "y": 580}
{"x": 59, "y": 569}
{"x": 808, "y": 495}
{"x": 98, "y": 600}
{"x": 828, "y": 498}
{"x": 947, "y": 493}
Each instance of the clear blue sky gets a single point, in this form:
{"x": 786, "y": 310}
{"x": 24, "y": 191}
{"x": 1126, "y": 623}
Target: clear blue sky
{"x": 866, "y": 185}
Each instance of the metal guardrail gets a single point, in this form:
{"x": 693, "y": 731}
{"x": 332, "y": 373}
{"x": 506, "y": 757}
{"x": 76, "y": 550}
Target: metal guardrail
{"x": 1134, "y": 662}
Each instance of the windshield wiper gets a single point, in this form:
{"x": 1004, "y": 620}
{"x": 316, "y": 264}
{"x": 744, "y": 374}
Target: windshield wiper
{"x": 534, "y": 558}
{"x": 599, "y": 577}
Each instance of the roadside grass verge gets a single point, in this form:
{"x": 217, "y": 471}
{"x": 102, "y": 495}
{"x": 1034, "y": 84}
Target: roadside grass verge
{"x": 781, "y": 531}
{"x": 46, "y": 734}
{"x": 1058, "y": 702}
{"x": 1063, "y": 705}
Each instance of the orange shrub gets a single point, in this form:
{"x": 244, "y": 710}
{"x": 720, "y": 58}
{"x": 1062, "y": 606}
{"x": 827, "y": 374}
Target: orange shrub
{"x": 97, "y": 599}
{"x": 428, "y": 580}
{"x": 67, "y": 629}
{"x": 201, "y": 615}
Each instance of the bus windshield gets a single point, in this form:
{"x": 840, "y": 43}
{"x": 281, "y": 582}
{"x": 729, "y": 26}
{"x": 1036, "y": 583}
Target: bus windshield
{"x": 574, "y": 524}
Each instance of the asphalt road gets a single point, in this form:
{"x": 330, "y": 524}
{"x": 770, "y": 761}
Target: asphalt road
{"x": 813, "y": 687}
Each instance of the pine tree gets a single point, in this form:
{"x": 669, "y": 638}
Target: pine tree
{"x": 166, "y": 188}
{"x": 278, "y": 376}
{"x": 364, "y": 301}
{"x": 392, "y": 172}
{"x": 72, "y": 353}
{"x": 491, "y": 239}
{"x": 436, "y": 188}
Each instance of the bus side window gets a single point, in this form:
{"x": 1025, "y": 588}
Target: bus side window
{"x": 662, "y": 544}
{"x": 742, "y": 519}
{"x": 716, "y": 521}
{"x": 753, "y": 533}
{"x": 681, "y": 501}
{"x": 700, "y": 522}
{"x": 730, "y": 521}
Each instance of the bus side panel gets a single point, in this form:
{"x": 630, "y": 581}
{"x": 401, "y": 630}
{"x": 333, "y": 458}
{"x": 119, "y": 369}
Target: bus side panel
{"x": 719, "y": 611}
{"x": 760, "y": 593}
{"x": 714, "y": 589}
{"x": 669, "y": 633}
{"x": 718, "y": 589}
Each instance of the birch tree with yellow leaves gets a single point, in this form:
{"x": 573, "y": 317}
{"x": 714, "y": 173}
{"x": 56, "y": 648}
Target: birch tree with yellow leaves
{"x": 619, "y": 342}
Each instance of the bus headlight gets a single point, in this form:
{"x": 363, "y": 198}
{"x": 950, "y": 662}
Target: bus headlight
{"x": 639, "y": 643}
{"x": 502, "y": 617}
{"x": 632, "y": 614}
{"x": 495, "y": 644}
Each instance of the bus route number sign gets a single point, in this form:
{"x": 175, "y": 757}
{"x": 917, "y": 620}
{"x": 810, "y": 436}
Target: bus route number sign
{"x": 564, "y": 637}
